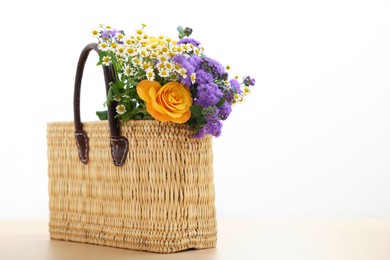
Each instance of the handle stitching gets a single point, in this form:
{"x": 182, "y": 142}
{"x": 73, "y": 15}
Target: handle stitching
{"x": 86, "y": 147}
{"x": 124, "y": 152}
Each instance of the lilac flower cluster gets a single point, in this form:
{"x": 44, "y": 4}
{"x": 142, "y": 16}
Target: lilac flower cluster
{"x": 190, "y": 41}
{"x": 211, "y": 89}
{"x": 248, "y": 81}
{"x": 112, "y": 34}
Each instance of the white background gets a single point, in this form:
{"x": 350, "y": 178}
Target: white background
{"x": 313, "y": 139}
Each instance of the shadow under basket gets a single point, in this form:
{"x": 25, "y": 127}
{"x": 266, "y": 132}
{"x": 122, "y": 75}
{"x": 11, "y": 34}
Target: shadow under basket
{"x": 161, "y": 200}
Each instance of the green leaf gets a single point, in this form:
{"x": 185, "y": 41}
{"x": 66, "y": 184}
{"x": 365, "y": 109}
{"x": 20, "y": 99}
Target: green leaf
{"x": 125, "y": 117}
{"x": 102, "y": 115}
{"x": 180, "y": 29}
{"x": 196, "y": 110}
{"x": 201, "y": 121}
{"x": 117, "y": 88}
{"x": 220, "y": 103}
{"x": 110, "y": 96}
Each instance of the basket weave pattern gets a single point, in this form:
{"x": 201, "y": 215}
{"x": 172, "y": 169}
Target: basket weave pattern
{"x": 161, "y": 200}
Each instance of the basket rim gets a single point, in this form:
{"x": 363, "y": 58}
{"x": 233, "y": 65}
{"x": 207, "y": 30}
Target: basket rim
{"x": 130, "y": 122}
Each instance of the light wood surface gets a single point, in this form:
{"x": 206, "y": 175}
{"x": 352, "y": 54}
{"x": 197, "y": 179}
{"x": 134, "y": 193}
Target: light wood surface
{"x": 241, "y": 239}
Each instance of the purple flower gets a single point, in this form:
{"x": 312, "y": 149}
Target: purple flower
{"x": 229, "y": 95}
{"x": 236, "y": 86}
{"x": 248, "y": 81}
{"x": 215, "y": 68}
{"x": 186, "y": 81}
{"x": 201, "y": 133}
{"x": 189, "y": 40}
{"x": 108, "y": 33}
{"x": 180, "y": 59}
{"x": 203, "y": 77}
{"x": 213, "y": 128}
{"x": 195, "y": 61}
{"x": 208, "y": 95}
{"x": 224, "y": 110}
{"x": 184, "y": 62}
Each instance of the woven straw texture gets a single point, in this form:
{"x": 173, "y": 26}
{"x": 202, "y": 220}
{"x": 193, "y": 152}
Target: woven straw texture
{"x": 161, "y": 200}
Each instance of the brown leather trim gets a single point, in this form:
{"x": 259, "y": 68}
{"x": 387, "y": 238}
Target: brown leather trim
{"x": 82, "y": 146}
{"x": 119, "y": 144}
{"x": 119, "y": 148}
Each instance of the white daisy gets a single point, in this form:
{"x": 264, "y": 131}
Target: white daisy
{"x": 164, "y": 49}
{"x": 95, "y": 33}
{"x": 197, "y": 51}
{"x": 169, "y": 65}
{"x": 183, "y": 72}
{"x": 164, "y": 73}
{"x": 144, "y": 53}
{"x": 120, "y": 109}
{"x": 119, "y": 35}
{"x": 193, "y": 78}
{"x": 120, "y": 50}
{"x": 128, "y": 40}
{"x": 131, "y": 50}
{"x": 190, "y": 46}
{"x": 150, "y": 74}
{"x": 186, "y": 47}
{"x": 103, "y": 46}
{"x": 162, "y": 58}
{"x": 138, "y": 38}
{"x": 153, "y": 46}
{"x": 106, "y": 27}
{"x": 136, "y": 61}
{"x": 106, "y": 61}
{"x": 179, "y": 49}
{"x": 247, "y": 91}
{"x": 160, "y": 65}
{"x": 128, "y": 71}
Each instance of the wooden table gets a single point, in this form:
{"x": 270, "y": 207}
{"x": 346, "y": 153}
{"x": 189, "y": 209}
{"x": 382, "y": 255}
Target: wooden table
{"x": 241, "y": 239}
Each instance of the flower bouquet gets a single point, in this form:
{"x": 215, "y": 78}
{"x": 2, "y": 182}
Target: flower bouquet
{"x": 168, "y": 80}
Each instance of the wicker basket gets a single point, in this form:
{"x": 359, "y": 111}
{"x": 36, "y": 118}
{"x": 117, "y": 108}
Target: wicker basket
{"x": 160, "y": 200}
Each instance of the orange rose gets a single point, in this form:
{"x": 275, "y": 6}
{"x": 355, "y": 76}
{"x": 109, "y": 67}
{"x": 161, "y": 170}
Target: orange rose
{"x": 170, "y": 102}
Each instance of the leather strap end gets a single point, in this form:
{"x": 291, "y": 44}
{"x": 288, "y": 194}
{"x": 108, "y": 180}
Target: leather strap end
{"x": 82, "y": 145}
{"x": 119, "y": 148}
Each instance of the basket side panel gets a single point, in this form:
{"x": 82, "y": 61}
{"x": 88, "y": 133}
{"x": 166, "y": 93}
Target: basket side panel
{"x": 161, "y": 200}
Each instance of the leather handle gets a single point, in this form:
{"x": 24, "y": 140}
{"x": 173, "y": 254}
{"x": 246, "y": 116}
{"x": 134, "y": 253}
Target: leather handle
{"x": 119, "y": 144}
